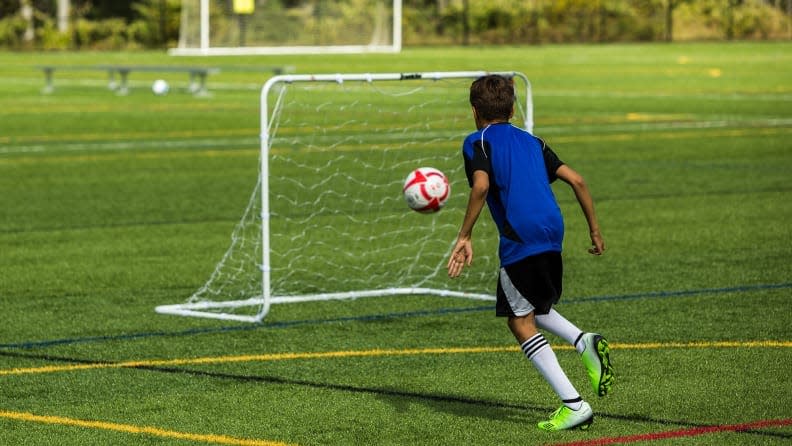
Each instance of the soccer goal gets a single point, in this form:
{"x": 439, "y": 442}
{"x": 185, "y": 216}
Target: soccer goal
{"x": 327, "y": 219}
{"x": 250, "y": 27}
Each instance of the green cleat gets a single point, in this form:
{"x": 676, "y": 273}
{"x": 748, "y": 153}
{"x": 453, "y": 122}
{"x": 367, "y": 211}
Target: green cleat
{"x": 565, "y": 418}
{"x": 596, "y": 358}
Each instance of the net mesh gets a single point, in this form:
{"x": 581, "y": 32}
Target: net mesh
{"x": 339, "y": 153}
{"x": 277, "y": 23}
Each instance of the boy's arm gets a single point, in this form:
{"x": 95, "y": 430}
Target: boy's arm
{"x": 575, "y": 180}
{"x": 462, "y": 254}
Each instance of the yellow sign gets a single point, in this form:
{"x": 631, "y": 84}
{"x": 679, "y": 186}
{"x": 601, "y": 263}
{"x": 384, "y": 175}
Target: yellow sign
{"x": 244, "y": 6}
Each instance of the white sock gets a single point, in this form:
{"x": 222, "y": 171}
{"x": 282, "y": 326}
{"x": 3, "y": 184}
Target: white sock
{"x": 560, "y": 326}
{"x": 538, "y": 351}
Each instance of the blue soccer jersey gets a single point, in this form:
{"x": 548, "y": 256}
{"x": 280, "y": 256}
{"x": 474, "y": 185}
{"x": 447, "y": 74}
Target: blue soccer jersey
{"x": 520, "y": 168}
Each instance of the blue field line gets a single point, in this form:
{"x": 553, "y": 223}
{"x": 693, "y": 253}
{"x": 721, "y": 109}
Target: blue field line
{"x": 653, "y": 294}
{"x": 374, "y": 317}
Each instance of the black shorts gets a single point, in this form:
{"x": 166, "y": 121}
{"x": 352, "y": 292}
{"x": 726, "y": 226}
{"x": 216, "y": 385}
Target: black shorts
{"x": 531, "y": 285}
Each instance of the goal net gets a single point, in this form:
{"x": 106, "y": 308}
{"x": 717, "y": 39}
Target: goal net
{"x": 243, "y": 27}
{"x": 327, "y": 219}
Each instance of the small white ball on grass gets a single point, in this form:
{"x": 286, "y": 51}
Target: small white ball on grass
{"x": 160, "y": 87}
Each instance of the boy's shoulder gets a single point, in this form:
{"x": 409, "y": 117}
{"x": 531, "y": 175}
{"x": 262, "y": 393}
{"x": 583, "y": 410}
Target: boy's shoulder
{"x": 472, "y": 137}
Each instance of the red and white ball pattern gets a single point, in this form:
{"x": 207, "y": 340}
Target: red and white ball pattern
{"x": 426, "y": 189}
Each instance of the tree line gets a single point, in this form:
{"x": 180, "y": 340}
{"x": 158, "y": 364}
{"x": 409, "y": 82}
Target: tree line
{"x": 134, "y": 24}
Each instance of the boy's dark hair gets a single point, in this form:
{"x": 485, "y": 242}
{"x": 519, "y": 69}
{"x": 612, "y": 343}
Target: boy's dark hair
{"x": 493, "y": 97}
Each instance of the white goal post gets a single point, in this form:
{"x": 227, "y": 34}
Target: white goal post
{"x": 216, "y": 28}
{"x": 343, "y": 229}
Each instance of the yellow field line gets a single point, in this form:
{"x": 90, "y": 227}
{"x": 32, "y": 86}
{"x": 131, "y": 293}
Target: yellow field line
{"x": 133, "y": 429}
{"x": 228, "y": 440}
{"x": 250, "y": 358}
{"x": 702, "y": 344}
{"x": 375, "y": 353}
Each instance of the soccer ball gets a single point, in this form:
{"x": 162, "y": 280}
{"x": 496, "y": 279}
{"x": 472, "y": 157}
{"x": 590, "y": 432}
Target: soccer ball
{"x": 160, "y": 87}
{"x": 426, "y": 189}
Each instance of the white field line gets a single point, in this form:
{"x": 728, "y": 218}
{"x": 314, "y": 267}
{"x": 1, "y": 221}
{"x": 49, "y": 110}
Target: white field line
{"x": 131, "y": 145}
{"x": 659, "y": 126}
{"x": 252, "y": 141}
{"x": 102, "y": 81}
{"x": 759, "y": 96}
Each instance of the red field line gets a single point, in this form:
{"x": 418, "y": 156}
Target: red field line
{"x": 690, "y": 432}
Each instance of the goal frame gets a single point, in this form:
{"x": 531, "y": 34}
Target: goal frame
{"x": 205, "y": 48}
{"x": 266, "y": 299}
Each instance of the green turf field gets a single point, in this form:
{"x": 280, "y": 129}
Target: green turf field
{"x": 111, "y": 205}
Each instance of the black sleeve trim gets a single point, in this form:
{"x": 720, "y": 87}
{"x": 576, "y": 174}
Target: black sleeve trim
{"x": 480, "y": 160}
{"x": 552, "y": 163}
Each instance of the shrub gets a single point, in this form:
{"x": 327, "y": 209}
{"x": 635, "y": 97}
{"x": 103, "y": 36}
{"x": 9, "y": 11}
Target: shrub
{"x": 12, "y": 30}
{"x": 50, "y": 38}
{"x": 108, "y": 34}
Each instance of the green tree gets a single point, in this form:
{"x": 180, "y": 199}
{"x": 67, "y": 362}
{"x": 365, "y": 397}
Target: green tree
{"x": 156, "y": 22}
{"x": 669, "y": 17}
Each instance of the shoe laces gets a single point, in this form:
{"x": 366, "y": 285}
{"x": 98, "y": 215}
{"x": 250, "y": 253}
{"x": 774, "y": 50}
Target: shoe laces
{"x": 558, "y": 412}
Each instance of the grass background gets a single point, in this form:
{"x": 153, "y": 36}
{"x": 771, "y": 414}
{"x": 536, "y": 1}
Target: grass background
{"x": 111, "y": 205}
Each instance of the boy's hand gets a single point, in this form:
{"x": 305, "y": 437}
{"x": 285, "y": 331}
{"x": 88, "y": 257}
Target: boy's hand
{"x": 461, "y": 255}
{"x": 597, "y": 244}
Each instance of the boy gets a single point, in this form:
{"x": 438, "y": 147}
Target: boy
{"x": 511, "y": 170}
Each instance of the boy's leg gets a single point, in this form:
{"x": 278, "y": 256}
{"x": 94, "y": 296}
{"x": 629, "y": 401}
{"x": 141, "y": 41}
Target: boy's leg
{"x": 561, "y": 327}
{"x": 592, "y": 347}
{"x": 575, "y": 412}
{"x": 538, "y": 351}
{"x": 524, "y": 288}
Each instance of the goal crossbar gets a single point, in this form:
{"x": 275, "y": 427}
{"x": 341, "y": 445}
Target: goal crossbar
{"x": 209, "y": 309}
